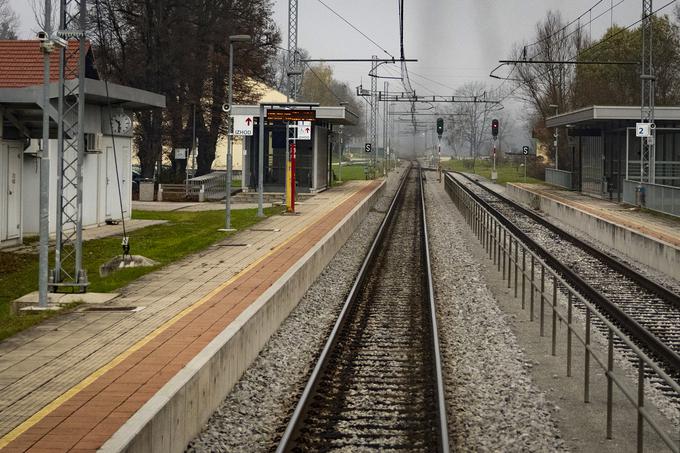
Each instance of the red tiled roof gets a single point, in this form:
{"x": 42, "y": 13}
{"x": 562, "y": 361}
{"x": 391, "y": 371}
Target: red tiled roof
{"x": 21, "y": 63}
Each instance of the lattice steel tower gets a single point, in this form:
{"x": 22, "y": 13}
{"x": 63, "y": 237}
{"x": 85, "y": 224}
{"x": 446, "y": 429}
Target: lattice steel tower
{"x": 374, "y": 108}
{"x": 68, "y": 271}
{"x": 648, "y": 146}
{"x": 294, "y": 80}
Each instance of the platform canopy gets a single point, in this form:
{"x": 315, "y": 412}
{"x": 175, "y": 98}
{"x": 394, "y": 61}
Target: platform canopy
{"x": 22, "y": 107}
{"x": 609, "y": 113}
{"x": 332, "y": 115}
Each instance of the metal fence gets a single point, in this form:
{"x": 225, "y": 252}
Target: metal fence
{"x": 540, "y": 285}
{"x": 660, "y": 198}
{"x": 559, "y": 178}
{"x": 213, "y": 185}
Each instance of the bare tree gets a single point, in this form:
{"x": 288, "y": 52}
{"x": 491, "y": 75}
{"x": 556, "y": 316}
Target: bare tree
{"x": 549, "y": 83}
{"x": 472, "y": 124}
{"x": 9, "y": 21}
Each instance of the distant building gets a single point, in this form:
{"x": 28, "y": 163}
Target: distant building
{"x": 21, "y": 99}
{"x": 266, "y": 94}
{"x": 605, "y": 156}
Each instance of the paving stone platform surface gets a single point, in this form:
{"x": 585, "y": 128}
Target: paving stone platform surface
{"x": 69, "y": 383}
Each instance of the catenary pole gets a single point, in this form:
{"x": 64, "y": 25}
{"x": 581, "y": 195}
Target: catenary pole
{"x": 260, "y": 165}
{"x": 43, "y": 266}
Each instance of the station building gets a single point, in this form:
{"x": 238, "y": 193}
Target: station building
{"x": 313, "y": 162}
{"x": 21, "y": 111}
{"x": 606, "y": 156}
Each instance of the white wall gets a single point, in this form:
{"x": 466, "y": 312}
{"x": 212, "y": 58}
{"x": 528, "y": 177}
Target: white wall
{"x": 11, "y": 165}
{"x": 94, "y": 184}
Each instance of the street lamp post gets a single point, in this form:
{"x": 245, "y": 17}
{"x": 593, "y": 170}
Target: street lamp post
{"x": 342, "y": 143}
{"x": 232, "y": 40}
{"x": 556, "y": 135}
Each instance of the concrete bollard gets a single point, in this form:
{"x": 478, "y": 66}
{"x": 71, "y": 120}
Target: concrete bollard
{"x": 201, "y": 194}
{"x": 160, "y": 192}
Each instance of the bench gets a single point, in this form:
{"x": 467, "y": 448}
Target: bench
{"x": 172, "y": 192}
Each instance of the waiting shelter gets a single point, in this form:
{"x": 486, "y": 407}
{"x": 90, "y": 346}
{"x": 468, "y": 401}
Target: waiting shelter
{"x": 314, "y": 156}
{"x": 606, "y": 156}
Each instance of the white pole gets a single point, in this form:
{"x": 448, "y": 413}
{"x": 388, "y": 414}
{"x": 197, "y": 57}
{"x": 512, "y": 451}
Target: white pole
{"x": 227, "y": 199}
{"x": 44, "y": 207}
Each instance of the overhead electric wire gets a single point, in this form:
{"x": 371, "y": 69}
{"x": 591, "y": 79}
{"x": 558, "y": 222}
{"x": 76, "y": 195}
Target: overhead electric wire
{"x": 579, "y": 28}
{"x": 356, "y": 29}
{"x": 550, "y": 36}
{"x": 581, "y": 52}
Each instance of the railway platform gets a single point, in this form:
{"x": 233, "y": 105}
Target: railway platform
{"x": 145, "y": 371}
{"x": 649, "y": 238}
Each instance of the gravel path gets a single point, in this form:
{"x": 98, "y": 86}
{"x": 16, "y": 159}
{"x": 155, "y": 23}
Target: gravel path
{"x": 492, "y": 403}
{"x": 254, "y": 415}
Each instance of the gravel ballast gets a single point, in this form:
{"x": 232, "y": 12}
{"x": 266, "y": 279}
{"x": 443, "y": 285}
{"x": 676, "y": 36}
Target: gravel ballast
{"x": 254, "y": 415}
{"x": 492, "y": 403}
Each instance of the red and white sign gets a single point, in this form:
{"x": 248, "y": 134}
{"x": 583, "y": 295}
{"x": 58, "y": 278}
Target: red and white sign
{"x": 304, "y": 130}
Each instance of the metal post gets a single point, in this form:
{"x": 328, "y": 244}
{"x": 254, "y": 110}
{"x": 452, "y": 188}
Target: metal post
{"x": 294, "y": 81}
{"x": 260, "y": 166}
{"x": 43, "y": 272}
{"x": 510, "y": 261}
{"x": 554, "y": 316}
{"x": 386, "y": 88}
{"x": 374, "y": 110}
{"x": 647, "y": 92}
{"x": 524, "y": 276}
{"x": 531, "y": 289}
{"x": 68, "y": 270}
{"x": 586, "y": 367}
{"x": 640, "y": 406}
{"x": 516, "y": 266}
{"x": 227, "y": 199}
{"x": 569, "y": 327}
{"x": 503, "y": 248}
{"x": 542, "y": 308}
{"x": 610, "y": 381}
{"x": 342, "y": 145}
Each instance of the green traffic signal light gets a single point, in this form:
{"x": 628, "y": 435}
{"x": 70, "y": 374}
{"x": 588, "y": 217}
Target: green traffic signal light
{"x": 440, "y": 126}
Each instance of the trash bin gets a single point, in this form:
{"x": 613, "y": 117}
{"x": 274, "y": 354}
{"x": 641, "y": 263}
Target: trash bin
{"x": 146, "y": 190}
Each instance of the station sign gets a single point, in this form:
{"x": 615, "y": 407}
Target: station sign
{"x": 180, "y": 153}
{"x": 304, "y": 131}
{"x": 243, "y": 125}
{"x": 643, "y": 129}
{"x": 291, "y": 115}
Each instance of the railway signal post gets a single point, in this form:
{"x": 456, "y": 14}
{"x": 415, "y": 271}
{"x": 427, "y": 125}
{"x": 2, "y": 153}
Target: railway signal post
{"x": 440, "y": 132}
{"x": 494, "y": 133}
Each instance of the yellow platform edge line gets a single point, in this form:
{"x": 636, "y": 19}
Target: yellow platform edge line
{"x": 54, "y": 404}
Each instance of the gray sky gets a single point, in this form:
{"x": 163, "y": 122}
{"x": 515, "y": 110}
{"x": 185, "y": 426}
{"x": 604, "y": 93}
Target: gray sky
{"x": 454, "y": 40}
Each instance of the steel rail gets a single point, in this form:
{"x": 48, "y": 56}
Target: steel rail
{"x": 650, "y": 341}
{"x": 297, "y": 419}
{"x": 438, "y": 373}
{"x": 662, "y": 292}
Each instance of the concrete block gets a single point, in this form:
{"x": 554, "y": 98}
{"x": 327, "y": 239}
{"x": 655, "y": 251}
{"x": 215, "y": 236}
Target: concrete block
{"x": 146, "y": 191}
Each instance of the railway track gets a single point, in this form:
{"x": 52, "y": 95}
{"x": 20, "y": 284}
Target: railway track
{"x": 378, "y": 382}
{"x": 645, "y": 309}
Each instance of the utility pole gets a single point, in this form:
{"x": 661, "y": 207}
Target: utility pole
{"x": 294, "y": 81}
{"x": 230, "y": 130}
{"x": 385, "y": 123}
{"x": 43, "y": 266}
{"x": 374, "y": 109}
{"x": 648, "y": 79}
{"x": 68, "y": 264}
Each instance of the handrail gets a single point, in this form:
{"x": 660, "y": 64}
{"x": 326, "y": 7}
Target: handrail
{"x": 486, "y": 223}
